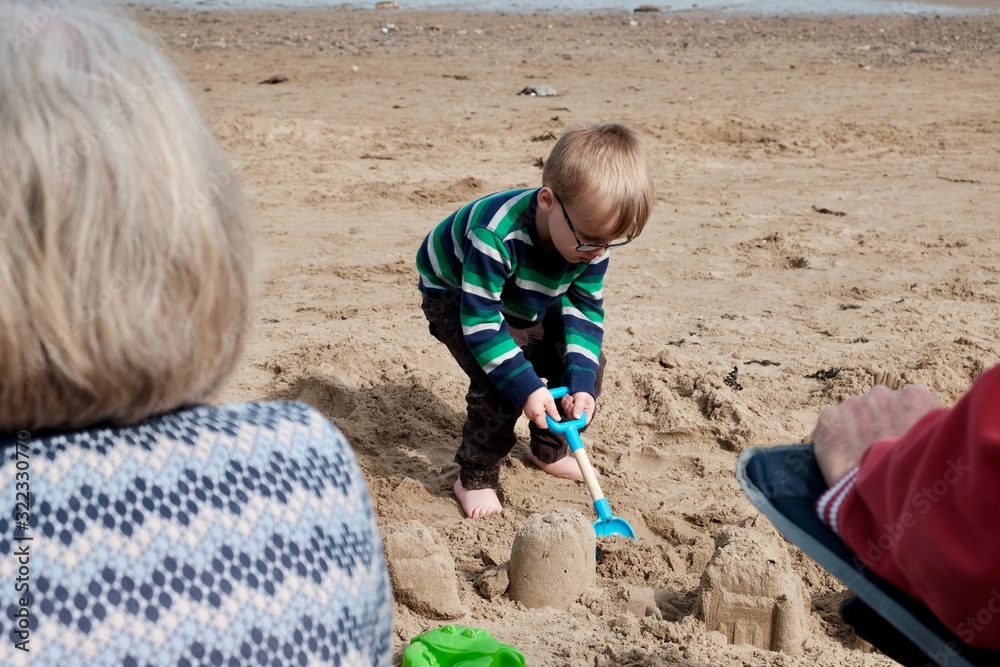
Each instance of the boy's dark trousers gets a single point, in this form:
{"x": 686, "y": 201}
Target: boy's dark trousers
{"x": 488, "y": 434}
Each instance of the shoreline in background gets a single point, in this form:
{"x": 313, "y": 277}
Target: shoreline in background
{"x": 741, "y": 7}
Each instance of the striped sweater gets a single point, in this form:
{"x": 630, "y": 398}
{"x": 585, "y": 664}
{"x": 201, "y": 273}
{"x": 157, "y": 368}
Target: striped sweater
{"x": 489, "y": 253}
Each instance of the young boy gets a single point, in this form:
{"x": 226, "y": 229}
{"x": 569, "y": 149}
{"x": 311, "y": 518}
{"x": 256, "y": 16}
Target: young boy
{"x": 512, "y": 285}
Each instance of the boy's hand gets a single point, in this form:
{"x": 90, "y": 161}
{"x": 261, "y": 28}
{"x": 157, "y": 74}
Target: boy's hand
{"x": 538, "y": 404}
{"x": 576, "y": 404}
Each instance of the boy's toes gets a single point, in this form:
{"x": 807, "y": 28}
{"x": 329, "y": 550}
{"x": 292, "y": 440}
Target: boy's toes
{"x": 480, "y": 511}
{"x": 477, "y": 503}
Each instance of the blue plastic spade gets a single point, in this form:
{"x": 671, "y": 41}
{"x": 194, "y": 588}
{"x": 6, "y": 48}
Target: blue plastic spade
{"x": 606, "y": 524}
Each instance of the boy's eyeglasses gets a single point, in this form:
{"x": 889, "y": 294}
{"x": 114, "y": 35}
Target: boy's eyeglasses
{"x": 580, "y": 245}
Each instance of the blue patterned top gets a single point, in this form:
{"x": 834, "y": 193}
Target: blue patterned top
{"x": 234, "y": 535}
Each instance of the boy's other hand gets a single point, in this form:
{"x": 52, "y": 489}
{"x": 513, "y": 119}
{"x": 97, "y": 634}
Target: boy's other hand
{"x": 576, "y": 404}
{"x": 538, "y": 404}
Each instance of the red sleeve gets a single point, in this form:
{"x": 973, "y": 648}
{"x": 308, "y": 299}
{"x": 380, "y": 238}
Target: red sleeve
{"x": 923, "y": 512}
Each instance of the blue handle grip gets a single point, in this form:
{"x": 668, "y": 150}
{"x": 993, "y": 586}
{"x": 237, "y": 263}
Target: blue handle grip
{"x": 570, "y": 428}
{"x": 603, "y": 509}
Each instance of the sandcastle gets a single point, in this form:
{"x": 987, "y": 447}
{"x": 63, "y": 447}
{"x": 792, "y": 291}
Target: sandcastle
{"x": 750, "y": 594}
{"x": 553, "y": 559}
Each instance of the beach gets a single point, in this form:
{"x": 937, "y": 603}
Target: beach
{"x": 827, "y": 187}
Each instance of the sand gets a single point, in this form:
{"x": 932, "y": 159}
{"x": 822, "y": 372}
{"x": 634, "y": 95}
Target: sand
{"x": 827, "y": 220}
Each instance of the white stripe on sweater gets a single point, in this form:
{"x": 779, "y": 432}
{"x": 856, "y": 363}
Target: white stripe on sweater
{"x": 828, "y": 504}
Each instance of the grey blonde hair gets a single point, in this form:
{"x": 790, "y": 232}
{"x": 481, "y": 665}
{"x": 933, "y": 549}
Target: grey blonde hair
{"x": 604, "y": 166}
{"x": 126, "y": 249}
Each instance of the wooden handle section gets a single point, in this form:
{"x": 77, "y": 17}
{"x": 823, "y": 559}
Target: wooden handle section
{"x": 588, "y": 474}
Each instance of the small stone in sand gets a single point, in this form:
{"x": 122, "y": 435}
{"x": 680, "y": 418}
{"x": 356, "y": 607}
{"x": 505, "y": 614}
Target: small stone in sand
{"x": 538, "y": 91}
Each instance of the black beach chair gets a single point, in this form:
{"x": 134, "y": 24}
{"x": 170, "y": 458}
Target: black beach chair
{"x": 784, "y": 483}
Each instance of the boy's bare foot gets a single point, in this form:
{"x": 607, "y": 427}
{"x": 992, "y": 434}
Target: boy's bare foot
{"x": 478, "y": 503}
{"x": 566, "y": 467}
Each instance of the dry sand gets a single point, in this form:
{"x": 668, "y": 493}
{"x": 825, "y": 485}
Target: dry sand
{"x": 827, "y": 219}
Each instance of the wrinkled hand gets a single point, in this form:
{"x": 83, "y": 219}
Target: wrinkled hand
{"x": 576, "y": 404}
{"x": 538, "y": 404}
{"x": 845, "y": 431}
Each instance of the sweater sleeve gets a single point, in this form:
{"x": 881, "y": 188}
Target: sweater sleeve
{"x": 487, "y": 265}
{"x": 582, "y": 308}
{"x": 921, "y": 512}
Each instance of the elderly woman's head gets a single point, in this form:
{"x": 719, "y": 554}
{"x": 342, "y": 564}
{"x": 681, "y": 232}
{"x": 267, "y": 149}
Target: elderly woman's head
{"x": 126, "y": 257}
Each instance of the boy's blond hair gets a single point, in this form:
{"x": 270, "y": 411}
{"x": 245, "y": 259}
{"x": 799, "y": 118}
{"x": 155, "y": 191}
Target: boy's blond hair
{"x": 126, "y": 251}
{"x": 604, "y": 167}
